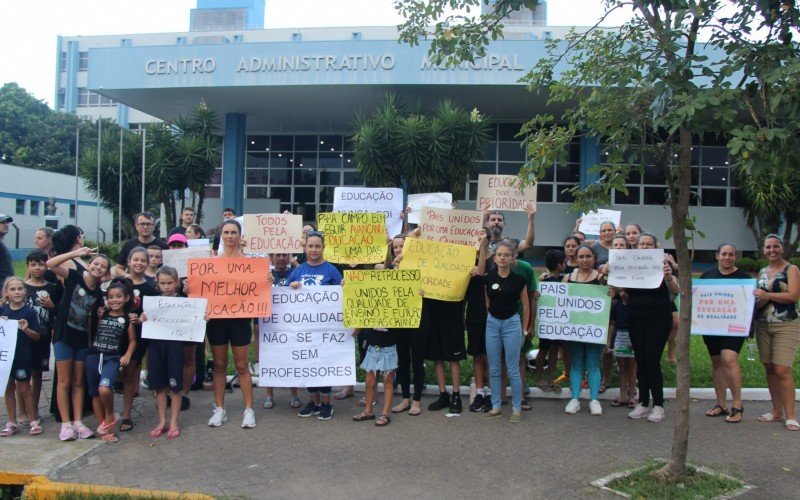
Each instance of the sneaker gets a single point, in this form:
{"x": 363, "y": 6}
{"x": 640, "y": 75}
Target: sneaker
{"x": 219, "y": 417}
{"x": 515, "y": 418}
{"x": 310, "y": 409}
{"x": 455, "y": 403}
{"x": 249, "y": 419}
{"x": 325, "y": 411}
{"x": 573, "y": 407}
{"x": 268, "y": 403}
{"x": 487, "y": 405}
{"x": 657, "y": 415}
{"x": 639, "y": 412}
{"x": 67, "y": 433}
{"x": 477, "y": 403}
{"x": 595, "y": 408}
{"x": 492, "y": 414}
{"x": 82, "y": 431}
{"x": 185, "y": 403}
{"x": 440, "y": 403}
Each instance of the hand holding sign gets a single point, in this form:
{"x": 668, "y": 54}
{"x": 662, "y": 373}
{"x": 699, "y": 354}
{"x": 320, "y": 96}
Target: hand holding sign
{"x": 235, "y": 288}
{"x": 503, "y": 192}
{"x": 636, "y": 268}
{"x": 8, "y": 346}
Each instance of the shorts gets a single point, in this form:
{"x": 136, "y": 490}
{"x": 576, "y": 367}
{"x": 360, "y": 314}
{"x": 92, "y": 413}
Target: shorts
{"x": 716, "y": 343}
{"x": 236, "y": 331}
{"x": 380, "y": 359}
{"x": 140, "y": 350}
{"x": 622, "y": 344}
{"x": 65, "y": 352}
{"x": 21, "y": 369}
{"x": 101, "y": 371}
{"x": 40, "y": 355}
{"x": 476, "y": 339}
{"x": 445, "y": 329}
{"x": 777, "y": 342}
{"x": 165, "y": 365}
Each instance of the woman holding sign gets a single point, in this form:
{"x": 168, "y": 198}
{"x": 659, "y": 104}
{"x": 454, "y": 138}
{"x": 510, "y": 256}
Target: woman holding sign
{"x": 603, "y": 244}
{"x": 778, "y": 329}
{"x": 649, "y": 324}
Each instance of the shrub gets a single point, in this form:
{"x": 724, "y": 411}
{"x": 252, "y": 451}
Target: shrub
{"x": 761, "y": 263}
{"x": 746, "y": 264}
{"x": 110, "y": 249}
{"x": 795, "y": 261}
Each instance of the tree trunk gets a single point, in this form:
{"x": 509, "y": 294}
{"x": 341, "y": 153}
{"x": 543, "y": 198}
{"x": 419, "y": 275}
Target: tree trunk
{"x": 675, "y": 469}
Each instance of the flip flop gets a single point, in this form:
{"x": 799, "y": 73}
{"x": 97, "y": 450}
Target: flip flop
{"x": 157, "y": 432}
{"x": 792, "y": 425}
{"x": 109, "y": 438}
{"x": 734, "y": 411}
{"x": 173, "y": 433}
{"x": 126, "y": 425}
{"x": 342, "y": 395}
{"x": 714, "y": 413}
{"x": 767, "y": 417}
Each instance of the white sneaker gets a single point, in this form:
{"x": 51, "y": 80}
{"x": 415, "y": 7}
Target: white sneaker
{"x": 249, "y": 419}
{"x": 218, "y": 418}
{"x": 595, "y": 408}
{"x": 657, "y": 415}
{"x": 639, "y": 412}
{"x": 573, "y": 406}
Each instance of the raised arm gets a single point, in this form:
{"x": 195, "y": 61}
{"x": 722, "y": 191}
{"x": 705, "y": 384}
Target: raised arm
{"x": 56, "y": 263}
{"x": 530, "y": 233}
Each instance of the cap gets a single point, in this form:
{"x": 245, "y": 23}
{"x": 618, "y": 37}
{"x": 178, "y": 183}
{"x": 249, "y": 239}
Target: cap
{"x": 6, "y": 218}
{"x": 177, "y": 237}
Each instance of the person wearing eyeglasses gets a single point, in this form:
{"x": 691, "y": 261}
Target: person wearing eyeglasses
{"x": 145, "y": 224}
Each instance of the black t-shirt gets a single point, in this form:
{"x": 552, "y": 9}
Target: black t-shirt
{"x": 503, "y": 293}
{"x": 714, "y": 274}
{"x": 380, "y": 337}
{"x": 281, "y": 277}
{"x": 619, "y": 315}
{"x": 476, "y": 299}
{"x": 6, "y": 268}
{"x": 650, "y": 298}
{"x": 111, "y": 336}
{"x": 24, "y": 347}
{"x": 145, "y": 289}
{"x": 122, "y": 258}
{"x": 74, "y": 313}
{"x": 46, "y": 316}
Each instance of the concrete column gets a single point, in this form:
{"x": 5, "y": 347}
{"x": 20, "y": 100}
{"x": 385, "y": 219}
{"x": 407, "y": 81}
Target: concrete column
{"x": 233, "y": 155}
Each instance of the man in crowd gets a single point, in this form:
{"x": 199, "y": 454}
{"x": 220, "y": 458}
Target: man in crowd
{"x": 187, "y": 219}
{"x": 145, "y": 223}
{"x": 6, "y": 268}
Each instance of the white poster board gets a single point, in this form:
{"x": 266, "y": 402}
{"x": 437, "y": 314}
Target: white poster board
{"x": 636, "y": 268}
{"x": 723, "y": 307}
{"x": 448, "y": 225}
{"x": 200, "y": 242}
{"x": 304, "y": 342}
{"x": 179, "y": 257}
{"x": 502, "y": 192}
{"x": 174, "y": 318}
{"x": 274, "y": 233}
{"x": 435, "y": 200}
{"x": 591, "y": 222}
{"x": 360, "y": 199}
{"x": 8, "y": 346}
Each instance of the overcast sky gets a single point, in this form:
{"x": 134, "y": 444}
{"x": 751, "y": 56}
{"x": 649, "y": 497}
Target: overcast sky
{"x": 30, "y": 27}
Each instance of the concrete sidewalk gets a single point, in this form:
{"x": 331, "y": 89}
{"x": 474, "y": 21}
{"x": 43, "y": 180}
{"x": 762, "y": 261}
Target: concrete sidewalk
{"x": 549, "y": 454}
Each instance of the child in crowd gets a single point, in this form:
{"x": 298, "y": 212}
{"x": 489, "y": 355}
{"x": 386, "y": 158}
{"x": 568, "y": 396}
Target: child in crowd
{"x": 620, "y": 342}
{"x": 154, "y": 260}
{"x": 15, "y": 307}
{"x": 111, "y": 347}
{"x": 556, "y": 263}
{"x": 165, "y": 365}
{"x": 381, "y": 357}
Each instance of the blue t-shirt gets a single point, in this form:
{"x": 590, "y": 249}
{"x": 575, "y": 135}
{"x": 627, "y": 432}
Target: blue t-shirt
{"x": 321, "y": 274}
{"x": 24, "y": 343}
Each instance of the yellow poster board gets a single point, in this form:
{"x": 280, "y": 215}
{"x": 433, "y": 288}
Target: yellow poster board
{"x": 446, "y": 267}
{"x": 382, "y": 298}
{"x": 353, "y": 237}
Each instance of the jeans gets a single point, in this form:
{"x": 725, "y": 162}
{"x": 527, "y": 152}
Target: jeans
{"x": 504, "y": 335}
{"x": 585, "y": 357}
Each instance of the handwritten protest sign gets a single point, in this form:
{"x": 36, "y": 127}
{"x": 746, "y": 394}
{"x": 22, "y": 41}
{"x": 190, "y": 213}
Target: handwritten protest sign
{"x": 722, "y": 306}
{"x": 235, "y": 288}
{"x": 353, "y": 238}
{"x": 572, "y": 311}
{"x": 388, "y": 201}
{"x": 451, "y": 226}
{"x": 636, "y": 268}
{"x": 435, "y": 200}
{"x": 179, "y": 258}
{"x": 445, "y": 267}
{"x": 200, "y": 242}
{"x": 274, "y": 233}
{"x": 304, "y": 342}
{"x": 382, "y": 299}
{"x": 174, "y": 318}
{"x": 502, "y": 192}
{"x": 591, "y": 222}
{"x": 8, "y": 347}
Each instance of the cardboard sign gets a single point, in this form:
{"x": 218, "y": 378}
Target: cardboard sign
{"x": 353, "y": 238}
{"x": 636, "y": 268}
{"x": 200, "y": 242}
{"x": 274, "y": 233}
{"x": 174, "y": 318}
{"x": 434, "y": 200}
{"x": 460, "y": 227}
{"x": 502, "y": 192}
{"x": 235, "y": 288}
{"x": 179, "y": 258}
{"x": 723, "y": 307}
{"x": 8, "y": 347}
{"x": 382, "y": 299}
{"x": 591, "y": 222}
{"x": 573, "y": 311}
{"x": 388, "y": 201}
{"x": 446, "y": 268}
{"x": 304, "y": 342}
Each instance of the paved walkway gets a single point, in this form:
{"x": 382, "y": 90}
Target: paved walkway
{"x": 549, "y": 454}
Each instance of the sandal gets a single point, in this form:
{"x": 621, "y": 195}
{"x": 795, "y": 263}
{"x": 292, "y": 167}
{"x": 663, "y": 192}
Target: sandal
{"x": 792, "y": 425}
{"x": 526, "y": 406}
{"x": 173, "y": 433}
{"x": 109, "y": 438}
{"x": 342, "y": 395}
{"x": 555, "y": 387}
{"x": 631, "y": 404}
{"x": 363, "y": 416}
{"x": 544, "y": 387}
{"x": 126, "y": 425}
{"x": 36, "y": 427}
{"x": 415, "y": 410}
{"x": 717, "y": 411}
{"x": 767, "y": 417}
{"x": 617, "y": 403}
{"x": 157, "y": 432}
{"x": 731, "y": 419}
{"x": 295, "y": 402}
{"x": 10, "y": 429}
{"x": 603, "y": 388}
{"x": 384, "y": 420}
{"x": 401, "y": 407}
